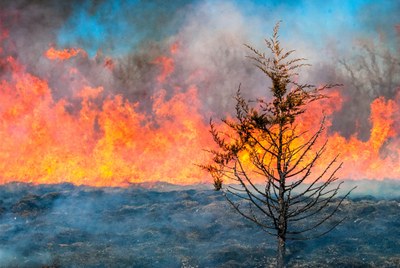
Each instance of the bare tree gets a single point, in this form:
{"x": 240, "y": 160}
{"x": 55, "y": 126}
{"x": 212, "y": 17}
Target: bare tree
{"x": 263, "y": 142}
{"x": 372, "y": 72}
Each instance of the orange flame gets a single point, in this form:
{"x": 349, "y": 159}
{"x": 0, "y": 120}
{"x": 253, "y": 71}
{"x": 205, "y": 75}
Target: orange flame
{"x": 376, "y": 158}
{"x": 54, "y": 54}
{"x": 109, "y": 142}
{"x": 167, "y": 65}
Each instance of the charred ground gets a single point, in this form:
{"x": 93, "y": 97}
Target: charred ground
{"x": 169, "y": 226}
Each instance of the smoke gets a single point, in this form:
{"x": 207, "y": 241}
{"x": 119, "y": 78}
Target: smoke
{"x": 65, "y": 225}
{"x": 198, "y": 48}
{"x": 210, "y": 35}
{"x": 354, "y": 43}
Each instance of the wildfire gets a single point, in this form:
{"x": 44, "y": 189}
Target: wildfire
{"x": 54, "y": 54}
{"x": 106, "y": 144}
{"x": 375, "y": 158}
{"x": 109, "y": 142}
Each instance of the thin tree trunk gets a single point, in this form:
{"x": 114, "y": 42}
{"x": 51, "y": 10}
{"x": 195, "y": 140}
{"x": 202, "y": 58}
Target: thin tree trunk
{"x": 280, "y": 262}
{"x": 282, "y": 221}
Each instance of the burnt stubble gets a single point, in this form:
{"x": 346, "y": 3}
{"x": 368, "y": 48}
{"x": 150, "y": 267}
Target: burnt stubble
{"x": 171, "y": 226}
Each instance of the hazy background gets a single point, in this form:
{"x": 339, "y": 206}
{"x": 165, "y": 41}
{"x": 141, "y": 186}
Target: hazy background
{"x": 210, "y": 36}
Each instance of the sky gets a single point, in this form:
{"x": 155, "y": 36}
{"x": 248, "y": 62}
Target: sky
{"x": 117, "y": 27}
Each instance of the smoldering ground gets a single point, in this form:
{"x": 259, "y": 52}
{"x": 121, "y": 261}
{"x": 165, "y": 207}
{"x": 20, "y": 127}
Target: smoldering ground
{"x": 170, "y": 226}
